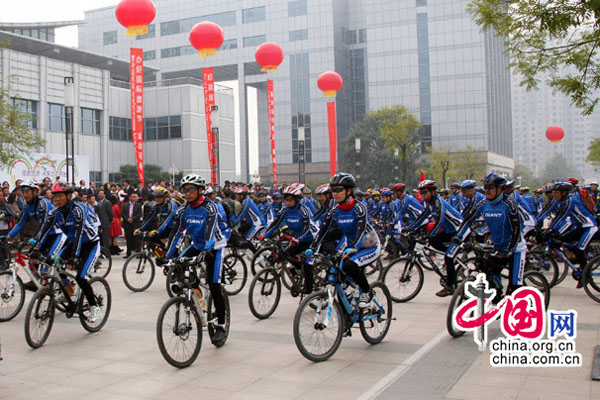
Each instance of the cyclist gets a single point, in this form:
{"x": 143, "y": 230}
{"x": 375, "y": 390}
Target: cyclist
{"x": 276, "y": 204}
{"x": 308, "y": 196}
{"x": 297, "y": 217}
{"x": 199, "y": 217}
{"x": 470, "y": 197}
{"x": 455, "y": 196}
{"x": 251, "y": 217}
{"x": 359, "y": 238}
{"x": 406, "y": 210}
{"x": 375, "y": 203}
{"x": 161, "y": 217}
{"x": 224, "y": 213}
{"x": 264, "y": 205}
{"x": 327, "y": 202}
{"x": 306, "y": 201}
{"x": 573, "y": 222}
{"x": 528, "y": 220}
{"x": 529, "y": 199}
{"x": 538, "y": 200}
{"x": 360, "y": 197}
{"x": 80, "y": 225}
{"x": 447, "y": 220}
{"x": 501, "y": 215}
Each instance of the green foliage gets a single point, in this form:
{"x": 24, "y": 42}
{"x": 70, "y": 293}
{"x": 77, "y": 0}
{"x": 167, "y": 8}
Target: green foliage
{"x": 16, "y": 137}
{"x": 558, "y": 167}
{"x": 470, "y": 164}
{"x": 559, "y": 38}
{"x": 400, "y": 131}
{"x": 527, "y": 176}
{"x": 594, "y": 153}
{"x": 152, "y": 172}
{"x": 442, "y": 161}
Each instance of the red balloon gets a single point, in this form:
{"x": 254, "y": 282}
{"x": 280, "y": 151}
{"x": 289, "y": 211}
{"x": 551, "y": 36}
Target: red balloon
{"x": 207, "y": 37}
{"x": 330, "y": 82}
{"x": 269, "y": 55}
{"x": 555, "y": 134}
{"x": 135, "y": 15}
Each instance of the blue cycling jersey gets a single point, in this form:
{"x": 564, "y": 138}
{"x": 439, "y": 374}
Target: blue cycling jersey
{"x": 298, "y": 219}
{"x": 164, "y": 215}
{"x": 447, "y": 219}
{"x": 250, "y": 213}
{"x": 407, "y": 210}
{"x": 455, "y": 199}
{"x": 320, "y": 215}
{"x": 386, "y": 212}
{"x": 466, "y": 204}
{"x": 39, "y": 210}
{"x": 530, "y": 201}
{"x": 571, "y": 214}
{"x": 308, "y": 203}
{"x": 264, "y": 208}
{"x": 224, "y": 227}
{"x": 527, "y": 216}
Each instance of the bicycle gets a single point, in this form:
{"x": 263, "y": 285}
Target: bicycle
{"x": 103, "y": 266}
{"x": 139, "y": 268}
{"x": 55, "y": 295}
{"x": 235, "y": 271}
{"x": 482, "y": 252}
{"x": 325, "y": 317}
{"x": 404, "y": 275}
{"x": 184, "y": 315}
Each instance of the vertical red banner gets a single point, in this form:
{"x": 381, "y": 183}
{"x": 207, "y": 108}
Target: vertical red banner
{"x": 137, "y": 107}
{"x": 208, "y": 83}
{"x": 271, "y": 104}
{"x": 332, "y": 137}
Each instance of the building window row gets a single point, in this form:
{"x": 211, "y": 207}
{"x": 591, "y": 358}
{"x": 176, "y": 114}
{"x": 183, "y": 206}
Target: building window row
{"x": 184, "y": 25}
{"x": 162, "y": 128}
{"x": 256, "y": 14}
{"x": 151, "y": 33}
{"x": 119, "y": 128}
{"x": 189, "y": 49}
{"x": 28, "y": 108}
{"x": 301, "y": 34}
{"x": 149, "y": 55}
{"x": 90, "y": 121}
{"x": 354, "y": 36}
{"x": 253, "y": 41}
{"x": 297, "y": 8}
{"x": 56, "y": 117}
{"x": 46, "y": 34}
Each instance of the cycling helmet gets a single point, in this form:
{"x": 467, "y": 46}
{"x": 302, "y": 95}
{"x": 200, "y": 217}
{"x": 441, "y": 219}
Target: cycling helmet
{"x": 444, "y": 192}
{"x": 399, "y": 187}
{"x": 241, "y": 190}
{"x": 298, "y": 185}
{"x": 306, "y": 190}
{"x": 562, "y": 186}
{"x": 29, "y": 184}
{"x": 525, "y": 189}
{"x": 538, "y": 191}
{"x": 509, "y": 184}
{"x": 517, "y": 187}
{"x": 455, "y": 185}
{"x": 429, "y": 184}
{"x": 276, "y": 195}
{"x": 375, "y": 193}
{"x": 594, "y": 183}
{"x": 359, "y": 193}
{"x": 292, "y": 190}
{"x": 194, "y": 180}
{"x": 323, "y": 189}
{"x": 161, "y": 191}
{"x": 209, "y": 190}
{"x": 495, "y": 179}
{"x": 573, "y": 181}
{"x": 386, "y": 192}
{"x": 261, "y": 193}
{"x": 343, "y": 179}
{"x": 62, "y": 187}
{"x": 467, "y": 184}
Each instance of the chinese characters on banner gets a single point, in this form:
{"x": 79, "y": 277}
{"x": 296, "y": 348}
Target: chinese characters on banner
{"x": 271, "y": 105}
{"x": 137, "y": 108}
{"x": 208, "y": 82}
{"x": 332, "y": 137}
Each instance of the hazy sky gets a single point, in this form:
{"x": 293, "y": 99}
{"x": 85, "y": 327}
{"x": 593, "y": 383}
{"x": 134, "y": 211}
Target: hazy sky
{"x": 66, "y": 10}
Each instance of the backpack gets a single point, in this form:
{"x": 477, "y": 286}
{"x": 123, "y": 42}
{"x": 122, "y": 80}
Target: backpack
{"x": 587, "y": 200}
{"x": 228, "y": 212}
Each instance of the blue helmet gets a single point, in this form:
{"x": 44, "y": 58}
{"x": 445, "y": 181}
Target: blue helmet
{"x": 359, "y": 193}
{"x": 494, "y": 179}
{"x": 386, "y": 192}
{"x": 468, "y": 184}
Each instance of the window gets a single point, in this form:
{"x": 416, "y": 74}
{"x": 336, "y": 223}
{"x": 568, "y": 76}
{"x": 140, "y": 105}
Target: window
{"x": 110, "y": 37}
{"x": 184, "y": 25}
{"x": 28, "y": 107}
{"x": 149, "y": 55}
{"x": 90, "y": 121}
{"x": 296, "y": 8}
{"x": 421, "y": 3}
{"x": 119, "y": 128}
{"x": 362, "y": 36}
{"x": 56, "y": 121}
{"x": 169, "y": 28}
{"x": 163, "y": 127}
{"x": 95, "y": 176}
{"x": 151, "y": 33}
{"x": 252, "y": 41}
{"x": 170, "y": 52}
{"x": 229, "y": 44}
{"x": 149, "y": 128}
{"x": 302, "y": 34}
{"x": 175, "y": 126}
{"x": 189, "y": 49}
{"x": 250, "y": 15}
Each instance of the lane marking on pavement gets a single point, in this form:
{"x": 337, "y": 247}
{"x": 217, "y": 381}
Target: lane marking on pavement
{"x": 403, "y": 368}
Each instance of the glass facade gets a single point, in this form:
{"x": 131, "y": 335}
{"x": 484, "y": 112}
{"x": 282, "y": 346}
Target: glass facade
{"x": 185, "y": 25}
{"x": 46, "y": 34}
{"x": 110, "y": 37}
{"x": 297, "y": 8}
{"x": 90, "y": 121}
{"x": 256, "y": 14}
{"x": 56, "y": 117}
{"x": 119, "y": 128}
{"x": 300, "y": 97}
{"x": 162, "y": 128}
{"x": 424, "y": 79}
{"x": 301, "y": 34}
{"x": 28, "y": 107}
{"x": 151, "y": 33}
{"x": 252, "y": 41}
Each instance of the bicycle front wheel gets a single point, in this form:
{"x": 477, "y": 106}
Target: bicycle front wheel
{"x": 103, "y": 264}
{"x": 264, "y": 293}
{"x": 404, "y": 278}
{"x": 375, "y": 320}
{"x": 263, "y": 258}
{"x": 103, "y": 298}
{"x": 138, "y": 272}
{"x": 458, "y": 298}
{"x": 235, "y": 274}
{"x": 538, "y": 280}
{"x": 591, "y": 279}
{"x": 179, "y": 332}
{"x": 39, "y": 317}
{"x": 318, "y": 327}
{"x": 12, "y": 296}
{"x": 544, "y": 263}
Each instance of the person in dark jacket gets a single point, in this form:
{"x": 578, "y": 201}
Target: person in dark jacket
{"x": 131, "y": 212}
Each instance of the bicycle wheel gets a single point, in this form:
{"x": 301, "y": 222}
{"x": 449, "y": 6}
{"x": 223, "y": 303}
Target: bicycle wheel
{"x": 103, "y": 264}
{"x": 263, "y": 258}
{"x": 12, "y": 295}
{"x": 174, "y": 275}
{"x": 212, "y": 317}
{"x": 264, "y": 293}
{"x": 138, "y": 272}
{"x": 591, "y": 279}
{"x": 235, "y": 274}
{"x": 103, "y": 298}
{"x": 375, "y": 321}
{"x": 178, "y": 334}
{"x": 404, "y": 278}
{"x": 457, "y": 299}
{"x": 318, "y": 330}
{"x": 544, "y": 263}
{"x": 373, "y": 271}
{"x": 538, "y": 280}
{"x": 39, "y": 317}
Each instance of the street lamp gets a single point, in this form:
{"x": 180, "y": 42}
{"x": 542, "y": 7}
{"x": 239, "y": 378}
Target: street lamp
{"x": 519, "y": 178}
{"x": 301, "y": 151}
{"x": 69, "y": 140}
{"x": 396, "y": 153}
{"x": 357, "y": 148}
{"x": 214, "y": 109}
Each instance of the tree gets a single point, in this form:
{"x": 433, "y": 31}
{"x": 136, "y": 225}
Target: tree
{"x": 558, "y": 167}
{"x": 16, "y": 136}
{"x": 400, "y": 130}
{"x": 527, "y": 176}
{"x": 559, "y": 38}
{"x": 442, "y": 161}
{"x": 152, "y": 172}
{"x": 594, "y": 154}
{"x": 470, "y": 163}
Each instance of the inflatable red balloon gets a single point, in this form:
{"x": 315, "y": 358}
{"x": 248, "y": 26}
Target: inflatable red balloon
{"x": 269, "y": 56}
{"x": 555, "y": 134}
{"x": 330, "y": 82}
{"x": 207, "y": 37}
{"x": 135, "y": 15}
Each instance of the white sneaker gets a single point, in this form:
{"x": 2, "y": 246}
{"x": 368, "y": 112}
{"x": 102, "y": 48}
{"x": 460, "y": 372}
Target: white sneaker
{"x": 94, "y": 314}
{"x": 365, "y": 299}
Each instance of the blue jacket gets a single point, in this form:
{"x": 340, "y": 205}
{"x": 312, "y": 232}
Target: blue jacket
{"x": 455, "y": 199}
{"x": 527, "y": 216}
{"x": 224, "y": 227}
{"x": 308, "y": 203}
{"x": 501, "y": 216}
{"x": 530, "y": 200}
{"x": 320, "y": 215}
{"x": 374, "y": 208}
{"x": 200, "y": 221}
{"x": 386, "y": 212}
{"x": 250, "y": 213}
{"x": 39, "y": 209}
{"x": 466, "y": 205}
{"x": 264, "y": 208}
{"x": 407, "y": 210}
{"x": 298, "y": 219}
{"x": 447, "y": 219}
{"x": 571, "y": 214}
{"x": 163, "y": 215}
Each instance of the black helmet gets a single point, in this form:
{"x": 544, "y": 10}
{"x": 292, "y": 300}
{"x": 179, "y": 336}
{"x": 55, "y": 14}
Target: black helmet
{"x": 494, "y": 179}
{"x": 563, "y": 186}
{"x": 342, "y": 179}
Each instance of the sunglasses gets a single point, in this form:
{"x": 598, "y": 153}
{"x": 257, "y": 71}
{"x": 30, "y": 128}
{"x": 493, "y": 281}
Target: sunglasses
{"x": 190, "y": 190}
{"x": 489, "y": 187}
{"x": 338, "y": 189}
{"x": 289, "y": 198}
{"x": 423, "y": 191}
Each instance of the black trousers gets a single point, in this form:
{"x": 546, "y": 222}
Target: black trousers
{"x": 440, "y": 242}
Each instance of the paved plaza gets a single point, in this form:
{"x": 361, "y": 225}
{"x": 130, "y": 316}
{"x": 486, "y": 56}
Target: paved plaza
{"x": 418, "y": 359}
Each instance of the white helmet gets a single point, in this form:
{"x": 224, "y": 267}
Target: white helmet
{"x": 293, "y": 190}
{"x": 194, "y": 180}
{"x": 29, "y": 184}
{"x": 209, "y": 190}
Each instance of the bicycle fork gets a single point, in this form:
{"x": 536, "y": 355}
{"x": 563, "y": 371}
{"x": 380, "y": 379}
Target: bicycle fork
{"x": 325, "y": 323}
